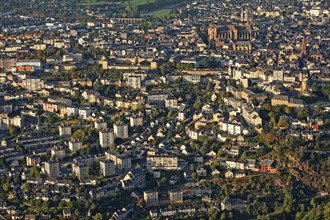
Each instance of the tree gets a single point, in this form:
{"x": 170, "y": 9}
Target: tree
{"x": 287, "y": 110}
{"x": 283, "y": 123}
{"x": 255, "y": 102}
{"x": 169, "y": 135}
{"x": 6, "y": 186}
{"x": 97, "y": 86}
{"x": 76, "y": 213}
{"x": 197, "y": 106}
{"x": 165, "y": 68}
{"x": 98, "y": 216}
{"x": 223, "y": 216}
{"x": 302, "y": 114}
{"x": 315, "y": 87}
{"x": 205, "y": 63}
{"x": 266, "y": 107}
{"x": 224, "y": 94}
{"x": 170, "y": 114}
{"x": 13, "y": 130}
{"x": 79, "y": 134}
{"x": 272, "y": 117}
{"x": 194, "y": 176}
{"x": 141, "y": 203}
{"x": 34, "y": 172}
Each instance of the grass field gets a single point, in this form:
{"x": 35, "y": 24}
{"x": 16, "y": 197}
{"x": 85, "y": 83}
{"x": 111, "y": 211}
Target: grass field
{"x": 162, "y": 13}
{"x": 110, "y": 2}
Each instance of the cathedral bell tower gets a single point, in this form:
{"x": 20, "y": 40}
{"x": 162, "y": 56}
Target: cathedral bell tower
{"x": 303, "y": 47}
{"x": 246, "y": 15}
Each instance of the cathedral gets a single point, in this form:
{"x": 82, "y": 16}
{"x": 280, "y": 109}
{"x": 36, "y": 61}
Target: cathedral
{"x": 233, "y": 33}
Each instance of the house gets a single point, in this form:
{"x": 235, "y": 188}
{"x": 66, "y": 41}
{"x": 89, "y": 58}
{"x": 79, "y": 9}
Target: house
{"x": 211, "y": 154}
{"x": 67, "y": 214}
{"x": 187, "y": 175}
{"x": 133, "y": 179}
{"x": 30, "y": 217}
{"x": 250, "y": 164}
{"x": 153, "y": 214}
{"x": 230, "y": 164}
{"x": 233, "y": 204}
{"x": 121, "y": 213}
{"x": 162, "y": 162}
{"x": 198, "y": 158}
{"x": 229, "y": 174}
{"x": 235, "y": 151}
{"x": 167, "y": 212}
{"x": 231, "y": 128}
{"x": 267, "y": 165}
{"x": 201, "y": 171}
{"x": 239, "y": 175}
{"x": 32, "y": 160}
{"x": 193, "y": 133}
{"x": 103, "y": 192}
{"x": 216, "y": 172}
{"x": 251, "y": 115}
{"x": 187, "y": 210}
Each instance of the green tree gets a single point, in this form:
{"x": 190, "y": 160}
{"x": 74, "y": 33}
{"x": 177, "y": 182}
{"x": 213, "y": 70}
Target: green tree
{"x": 194, "y": 176}
{"x": 315, "y": 87}
{"x": 98, "y": 216}
{"x": 141, "y": 203}
{"x": 13, "y": 130}
{"x": 197, "y": 106}
{"x": 288, "y": 110}
{"x": 255, "y": 102}
{"x": 35, "y": 172}
{"x": 283, "y": 122}
{"x": 6, "y": 186}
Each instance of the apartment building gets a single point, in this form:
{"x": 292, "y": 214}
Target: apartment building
{"x": 120, "y": 130}
{"x": 52, "y": 169}
{"x": 106, "y": 138}
{"x": 107, "y": 167}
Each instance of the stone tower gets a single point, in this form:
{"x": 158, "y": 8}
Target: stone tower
{"x": 303, "y": 47}
{"x": 246, "y": 15}
{"x": 212, "y": 32}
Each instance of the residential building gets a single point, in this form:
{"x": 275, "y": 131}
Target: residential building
{"x": 233, "y": 204}
{"x": 100, "y": 124}
{"x": 57, "y": 152}
{"x": 134, "y": 179}
{"x": 136, "y": 120}
{"x": 267, "y": 165}
{"x": 33, "y": 84}
{"x": 36, "y": 64}
{"x": 121, "y": 162}
{"x": 150, "y": 197}
{"x": 80, "y": 170}
{"x": 103, "y": 192}
{"x": 32, "y": 160}
{"x": 162, "y": 162}
{"x": 120, "y": 130}
{"x": 134, "y": 82}
{"x": 107, "y": 167}
{"x": 75, "y": 145}
{"x": 175, "y": 196}
{"x": 64, "y": 130}
{"x": 52, "y": 169}
{"x": 106, "y": 138}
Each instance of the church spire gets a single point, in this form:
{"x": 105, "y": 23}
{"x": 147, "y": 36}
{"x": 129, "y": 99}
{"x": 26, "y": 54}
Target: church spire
{"x": 303, "y": 47}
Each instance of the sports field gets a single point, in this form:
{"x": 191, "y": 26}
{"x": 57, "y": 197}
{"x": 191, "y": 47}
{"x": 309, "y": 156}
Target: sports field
{"x": 162, "y": 13}
{"x": 110, "y": 2}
